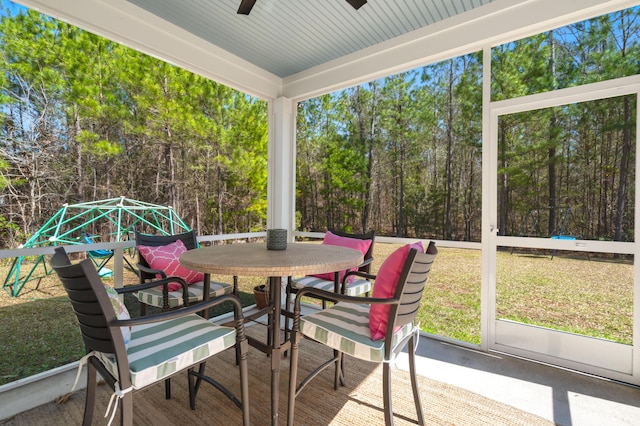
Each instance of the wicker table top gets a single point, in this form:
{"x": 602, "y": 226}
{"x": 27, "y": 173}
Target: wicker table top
{"x": 255, "y": 260}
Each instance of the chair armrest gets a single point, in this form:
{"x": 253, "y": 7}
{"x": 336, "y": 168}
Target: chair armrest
{"x": 186, "y": 310}
{"x": 164, "y": 282}
{"x": 150, "y": 270}
{"x": 366, "y": 262}
{"x": 137, "y": 287}
{"x": 357, "y": 268}
{"x": 357, "y": 273}
{"x": 323, "y": 294}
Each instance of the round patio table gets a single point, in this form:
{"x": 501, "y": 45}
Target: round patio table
{"x": 255, "y": 260}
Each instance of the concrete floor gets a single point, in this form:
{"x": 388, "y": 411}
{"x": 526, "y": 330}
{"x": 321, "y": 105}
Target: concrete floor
{"x": 565, "y": 397}
{"x": 562, "y": 396}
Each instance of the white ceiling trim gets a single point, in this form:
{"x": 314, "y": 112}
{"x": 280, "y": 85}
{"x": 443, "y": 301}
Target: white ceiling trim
{"x": 494, "y": 23}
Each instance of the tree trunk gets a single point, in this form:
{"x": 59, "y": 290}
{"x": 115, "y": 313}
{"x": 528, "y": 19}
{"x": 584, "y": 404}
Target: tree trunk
{"x": 624, "y": 168}
{"x": 449, "y": 177}
{"x": 79, "y": 169}
{"x": 502, "y": 209}
{"x": 552, "y": 150}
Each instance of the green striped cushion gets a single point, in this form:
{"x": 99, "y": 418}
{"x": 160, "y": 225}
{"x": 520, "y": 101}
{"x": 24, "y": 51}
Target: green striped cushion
{"x": 160, "y": 349}
{"x": 345, "y": 327}
{"x": 356, "y": 288}
{"x": 153, "y": 296}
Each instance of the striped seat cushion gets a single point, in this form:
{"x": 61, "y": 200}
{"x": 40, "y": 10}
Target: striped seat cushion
{"x": 358, "y": 287}
{"x": 345, "y": 327}
{"x": 153, "y": 296}
{"x": 158, "y": 350}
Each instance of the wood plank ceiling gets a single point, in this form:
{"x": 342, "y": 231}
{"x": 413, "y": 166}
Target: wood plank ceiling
{"x": 285, "y": 37}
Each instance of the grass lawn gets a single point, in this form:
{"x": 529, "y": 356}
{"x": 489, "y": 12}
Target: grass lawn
{"x": 587, "y": 296}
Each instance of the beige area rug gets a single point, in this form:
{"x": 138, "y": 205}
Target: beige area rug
{"x": 358, "y": 403}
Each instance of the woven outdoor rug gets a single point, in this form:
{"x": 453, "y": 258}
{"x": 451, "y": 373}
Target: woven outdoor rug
{"x": 358, "y": 403}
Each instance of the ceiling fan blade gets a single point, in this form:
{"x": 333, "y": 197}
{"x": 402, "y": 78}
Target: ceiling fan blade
{"x": 357, "y": 4}
{"x": 246, "y": 6}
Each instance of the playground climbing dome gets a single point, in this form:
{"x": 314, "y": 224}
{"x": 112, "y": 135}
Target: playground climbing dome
{"x": 110, "y": 220}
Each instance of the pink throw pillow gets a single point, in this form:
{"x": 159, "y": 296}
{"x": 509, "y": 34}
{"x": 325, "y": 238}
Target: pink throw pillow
{"x": 337, "y": 240}
{"x": 167, "y": 259}
{"x": 385, "y": 288}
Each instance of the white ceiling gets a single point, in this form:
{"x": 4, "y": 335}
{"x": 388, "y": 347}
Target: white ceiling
{"x": 285, "y": 37}
{"x": 303, "y": 48}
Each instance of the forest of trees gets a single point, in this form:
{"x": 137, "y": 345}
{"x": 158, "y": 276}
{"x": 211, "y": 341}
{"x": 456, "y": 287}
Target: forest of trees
{"x": 402, "y": 155}
{"x": 85, "y": 119}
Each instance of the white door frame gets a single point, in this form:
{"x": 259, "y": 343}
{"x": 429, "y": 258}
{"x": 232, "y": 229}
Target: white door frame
{"x": 596, "y": 356}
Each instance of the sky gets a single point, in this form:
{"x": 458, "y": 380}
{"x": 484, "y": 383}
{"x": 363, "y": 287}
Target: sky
{"x": 11, "y": 7}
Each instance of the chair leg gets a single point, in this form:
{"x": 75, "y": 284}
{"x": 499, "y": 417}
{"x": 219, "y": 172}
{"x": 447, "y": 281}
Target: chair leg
{"x": 244, "y": 380}
{"x": 192, "y": 389}
{"x": 90, "y": 395}
{"x": 338, "y": 377}
{"x": 287, "y": 329}
{"x": 293, "y": 373}
{"x": 143, "y": 309}
{"x": 343, "y": 382}
{"x": 270, "y": 317}
{"x": 386, "y": 394}
{"x": 167, "y": 388}
{"x": 287, "y": 305}
{"x": 269, "y": 333}
{"x": 414, "y": 381}
{"x": 235, "y": 285}
{"x": 126, "y": 413}
{"x": 236, "y": 292}
{"x": 194, "y": 386}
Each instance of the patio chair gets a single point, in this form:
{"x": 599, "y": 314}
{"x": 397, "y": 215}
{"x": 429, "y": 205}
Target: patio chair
{"x": 332, "y": 281}
{"x": 372, "y": 329}
{"x": 157, "y": 257}
{"x": 131, "y": 354}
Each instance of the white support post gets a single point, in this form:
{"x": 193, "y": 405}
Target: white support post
{"x": 118, "y": 267}
{"x": 281, "y": 181}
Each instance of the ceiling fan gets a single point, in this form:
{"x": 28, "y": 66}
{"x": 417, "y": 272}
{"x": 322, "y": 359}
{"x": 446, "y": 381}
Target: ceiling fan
{"x": 247, "y": 5}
